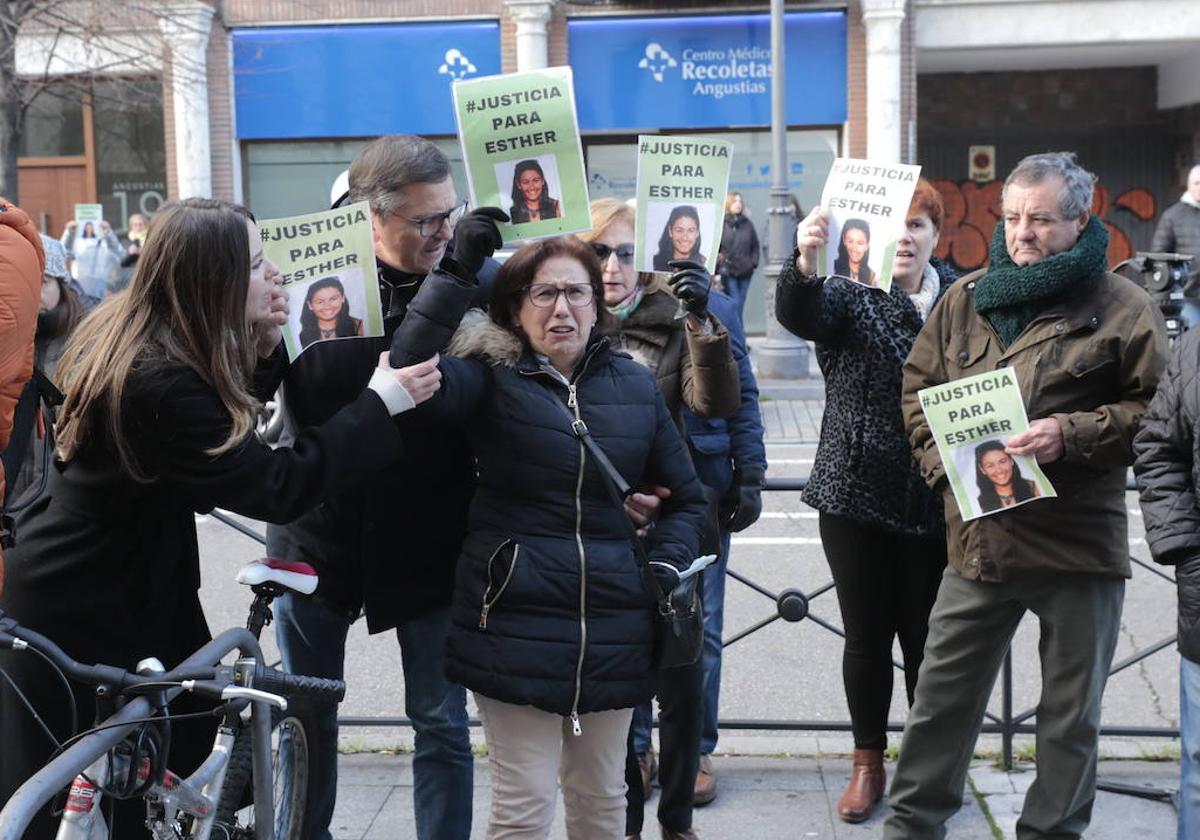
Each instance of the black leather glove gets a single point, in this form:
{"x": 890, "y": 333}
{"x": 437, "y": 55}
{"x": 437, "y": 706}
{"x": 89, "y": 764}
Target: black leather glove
{"x": 476, "y": 238}
{"x": 691, "y": 284}
{"x": 742, "y": 506}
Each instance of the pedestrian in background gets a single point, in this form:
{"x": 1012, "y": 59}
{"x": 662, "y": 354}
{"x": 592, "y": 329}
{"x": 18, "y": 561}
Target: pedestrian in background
{"x": 120, "y": 272}
{"x": 738, "y": 255}
{"x": 1167, "y": 452}
{"x": 1178, "y": 231}
{"x": 881, "y": 527}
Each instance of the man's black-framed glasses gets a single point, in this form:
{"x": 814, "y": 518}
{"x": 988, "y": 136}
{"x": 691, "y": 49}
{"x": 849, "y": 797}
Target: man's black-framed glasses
{"x": 624, "y": 252}
{"x": 545, "y": 295}
{"x": 431, "y": 224}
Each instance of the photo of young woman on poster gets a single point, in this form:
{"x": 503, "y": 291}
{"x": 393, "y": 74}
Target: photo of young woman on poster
{"x": 854, "y": 251}
{"x": 531, "y": 201}
{"x": 325, "y": 313}
{"x": 998, "y": 477}
{"x": 680, "y": 239}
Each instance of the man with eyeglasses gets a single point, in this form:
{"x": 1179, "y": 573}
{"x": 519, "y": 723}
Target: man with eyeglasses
{"x": 388, "y": 549}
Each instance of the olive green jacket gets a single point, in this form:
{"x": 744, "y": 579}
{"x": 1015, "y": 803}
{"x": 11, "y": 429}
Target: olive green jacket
{"x": 1092, "y": 363}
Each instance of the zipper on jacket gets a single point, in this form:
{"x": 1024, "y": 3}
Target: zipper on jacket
{"x": 488, "y": 604}
{"x": 573, "y": 402}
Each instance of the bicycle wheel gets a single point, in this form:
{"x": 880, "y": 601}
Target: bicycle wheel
{"x": 290, "y": 758}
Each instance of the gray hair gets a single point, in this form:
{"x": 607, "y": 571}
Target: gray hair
{"x": 1075, "y": 199}
{"x": 390, "y": 163}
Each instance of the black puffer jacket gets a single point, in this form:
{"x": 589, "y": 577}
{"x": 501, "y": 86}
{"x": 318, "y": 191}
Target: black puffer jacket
{"x": 1179, "y": 230}
{"x": 388, "y": 545}
{"x": 549, "y": 607}
{"x": 864, "y": 468}
{"x": 1167, "y": 468}
{"x": 738, "y": 256}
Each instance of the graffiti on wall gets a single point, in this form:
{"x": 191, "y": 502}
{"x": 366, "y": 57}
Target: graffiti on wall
{"x": 973, "y": 211}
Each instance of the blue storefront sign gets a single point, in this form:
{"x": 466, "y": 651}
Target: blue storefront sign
{"x": 705, "y": 72}
{"x": 356, "y": 81}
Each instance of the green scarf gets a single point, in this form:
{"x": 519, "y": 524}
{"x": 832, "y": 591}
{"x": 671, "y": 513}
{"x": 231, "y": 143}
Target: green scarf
{"x": 1010, "y": 296}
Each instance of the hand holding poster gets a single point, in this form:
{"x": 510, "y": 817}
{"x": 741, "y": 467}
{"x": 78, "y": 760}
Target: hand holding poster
{"x": 681, "y": 184}
{"x": 520, "y": 141}
{"x": 867, "y": 203}
{"x": 328, "y": 265}
{"x": 971, "y": 420}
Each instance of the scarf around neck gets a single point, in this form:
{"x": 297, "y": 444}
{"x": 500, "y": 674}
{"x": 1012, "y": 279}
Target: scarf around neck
{"x": 1011, "y": 296}
{"x": 625, "y": 308}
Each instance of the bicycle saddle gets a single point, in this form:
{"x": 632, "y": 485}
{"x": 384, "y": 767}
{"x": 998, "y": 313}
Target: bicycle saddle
{"x": 299, "y": 577}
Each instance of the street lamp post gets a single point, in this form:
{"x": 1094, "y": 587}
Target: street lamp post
{"x": 782, "y": 355}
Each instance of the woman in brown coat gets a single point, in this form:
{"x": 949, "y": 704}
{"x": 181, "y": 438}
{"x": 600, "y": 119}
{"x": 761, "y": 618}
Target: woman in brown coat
{"x": 692, "y": 360}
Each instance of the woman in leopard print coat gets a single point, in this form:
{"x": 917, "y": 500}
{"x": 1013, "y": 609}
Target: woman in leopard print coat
{"x": 881, "y": 527}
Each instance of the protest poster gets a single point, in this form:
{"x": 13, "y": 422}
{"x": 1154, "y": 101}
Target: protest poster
{"x": 867, "y": 203}
{"x": 971, "y": 420}
{"x": 681, "y": 184}
{"x": 87, "y": 220}
{"x": 520, "y": 142}
{"x": 327, "y": 261}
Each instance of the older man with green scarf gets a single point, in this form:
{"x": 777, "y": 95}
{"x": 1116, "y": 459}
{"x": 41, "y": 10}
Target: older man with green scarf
{"x": 1087, "y": 348}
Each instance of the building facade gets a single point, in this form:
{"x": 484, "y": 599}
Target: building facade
{"x": 266, "y": 101}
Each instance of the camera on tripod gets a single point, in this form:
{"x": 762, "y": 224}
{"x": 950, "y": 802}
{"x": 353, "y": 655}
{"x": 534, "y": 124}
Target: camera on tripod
{"x": 1170, "y": 281}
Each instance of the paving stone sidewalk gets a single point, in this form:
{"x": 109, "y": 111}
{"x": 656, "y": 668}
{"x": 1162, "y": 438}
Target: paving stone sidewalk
{"x": 770, "y": 797}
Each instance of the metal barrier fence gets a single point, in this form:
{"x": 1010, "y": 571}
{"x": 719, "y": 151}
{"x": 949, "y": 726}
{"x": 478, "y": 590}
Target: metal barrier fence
{"x": 792, "y": 605}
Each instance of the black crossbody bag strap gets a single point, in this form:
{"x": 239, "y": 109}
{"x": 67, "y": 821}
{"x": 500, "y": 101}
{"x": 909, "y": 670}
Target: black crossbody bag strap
{"x": 618, "y": 490}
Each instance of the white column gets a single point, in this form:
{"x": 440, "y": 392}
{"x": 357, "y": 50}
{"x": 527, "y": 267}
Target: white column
{"x": 185, "y": 27}
{"x": 533, "y": 43}
{"x": 883, "y": 19}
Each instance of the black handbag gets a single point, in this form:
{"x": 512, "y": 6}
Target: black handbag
{"x": 679, "y": 617}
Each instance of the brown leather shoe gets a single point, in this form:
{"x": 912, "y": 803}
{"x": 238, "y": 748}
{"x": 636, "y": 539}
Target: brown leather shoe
{"x": 706, "y": 783}
{"x": 649, "y": 766}
{"x": 867, "y": 781}
{"x": 690, "y": 834}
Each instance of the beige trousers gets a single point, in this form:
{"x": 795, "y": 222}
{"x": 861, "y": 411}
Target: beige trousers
{"x": 531, "y": 751}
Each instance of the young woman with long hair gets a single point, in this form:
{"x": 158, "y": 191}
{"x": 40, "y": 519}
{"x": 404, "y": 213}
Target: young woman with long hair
{"x": 162, "y": 383}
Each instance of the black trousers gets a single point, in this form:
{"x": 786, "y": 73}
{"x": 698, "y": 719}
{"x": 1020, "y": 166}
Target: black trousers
{"x": 680, "y": 723}
{"x": 886, "y": 584}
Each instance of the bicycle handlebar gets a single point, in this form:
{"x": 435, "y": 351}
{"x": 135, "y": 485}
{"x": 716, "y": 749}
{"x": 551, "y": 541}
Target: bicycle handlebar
{"x": 59, "y": 773}
{"x": 296, "y": 685}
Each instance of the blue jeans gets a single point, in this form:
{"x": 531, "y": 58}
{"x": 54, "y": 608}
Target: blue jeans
{"x": 1189, "y": 749}
{"x": 710, "y": 659}
{"x": 312, "y": 641}
{"x": 737, "y": 288}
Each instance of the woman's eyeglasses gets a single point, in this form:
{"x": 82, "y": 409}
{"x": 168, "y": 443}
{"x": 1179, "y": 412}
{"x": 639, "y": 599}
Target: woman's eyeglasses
{"x": 431, "y": 224}
{"x": 624, "y": 253}
{"x": 545, "y": 295}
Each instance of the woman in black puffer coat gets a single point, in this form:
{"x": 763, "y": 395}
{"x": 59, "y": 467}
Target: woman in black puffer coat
{"x": 552, "y": 627}
{"x": 882, "y": 529}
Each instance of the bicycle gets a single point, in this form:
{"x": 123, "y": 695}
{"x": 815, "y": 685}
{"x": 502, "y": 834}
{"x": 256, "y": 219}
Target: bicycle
{"x": 125, "y": 754}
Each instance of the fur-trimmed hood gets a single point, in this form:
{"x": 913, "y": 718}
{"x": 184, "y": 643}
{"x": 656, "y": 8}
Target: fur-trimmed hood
{"x": 479, "y": 337}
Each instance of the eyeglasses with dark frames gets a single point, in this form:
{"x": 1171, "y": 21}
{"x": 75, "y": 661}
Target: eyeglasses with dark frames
{"x": 624, "y": 252}
{"x": 431, "y": 224}
{"x": 545, "y": 295}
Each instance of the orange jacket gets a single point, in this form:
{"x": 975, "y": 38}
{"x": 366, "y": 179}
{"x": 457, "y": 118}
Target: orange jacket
{"x": 21, "y": 264}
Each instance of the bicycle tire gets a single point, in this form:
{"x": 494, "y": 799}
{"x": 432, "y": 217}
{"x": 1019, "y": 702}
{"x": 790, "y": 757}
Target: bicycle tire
{"x": 235, "y": 813}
